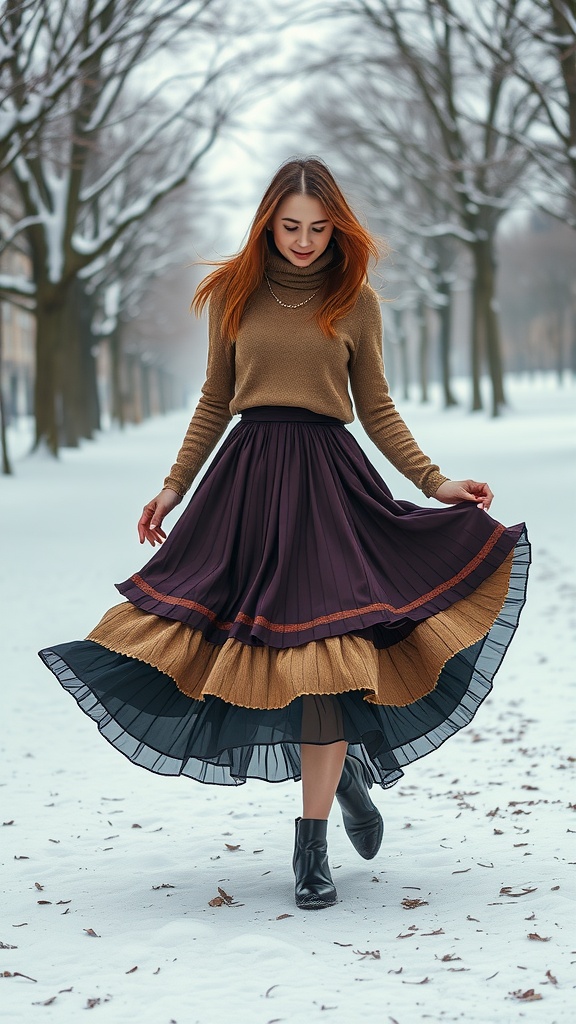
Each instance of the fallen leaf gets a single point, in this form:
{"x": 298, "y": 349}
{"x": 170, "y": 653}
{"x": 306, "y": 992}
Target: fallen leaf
{"x": 405, "y": 935}
{"x": 23, "y": 925}
{"x": 411, "y": 904}
{"x": 539, "y": 938}
{"x": 423, "y": 982}
{"x": 554, "y": 888}
{"x": 221, "y": 899}
{"x": 468, "y": 918}
{"x": 230, "y": 847}
{"x": 392, "y": 971}
{"x": 506, "y": 890}
{"x": 16, "y": 974}
{"x": 529, "y": 996}
{"x": 62, "y": 903}
{"x": 257, "y": 851}
{"x": 44, "y": 903}
{"x": 375, "y": 878}
{"x": 281, "y": 917}
{"x": 531, "y": 918}
{"x": 551, "y": 978}
{"x": 136, "y": 826}
{"x": 91, "y": 933}
{"x": 38, "y": 886}
{"x": 345, "y": 945}
{"x": 462, "y": 871}
{"x": 164, "y": 885}
{"x": 8, "y": 822}
{"x": 6, "y": 945}
{"x": 498, "y": 832}
{"x": 132, "y": 969}
{"x": 21, "y": 858}
{"x": 439, "y": 931}
{"x": 368, "y": 954}
{"x": 448, "y": 957}
{"x": 45, "y": 1002}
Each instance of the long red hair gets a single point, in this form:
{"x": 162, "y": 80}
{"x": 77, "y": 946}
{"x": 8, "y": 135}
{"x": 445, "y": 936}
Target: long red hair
{"x": 240, "y": 275}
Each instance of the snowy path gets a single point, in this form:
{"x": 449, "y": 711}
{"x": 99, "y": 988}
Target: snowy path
{"x": 482, "y": 833}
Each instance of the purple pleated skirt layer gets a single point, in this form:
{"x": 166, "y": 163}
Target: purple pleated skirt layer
{"x": 293, "y": 537}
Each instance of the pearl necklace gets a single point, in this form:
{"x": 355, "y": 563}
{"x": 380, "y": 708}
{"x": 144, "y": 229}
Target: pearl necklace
{"x": 288, "y": 305}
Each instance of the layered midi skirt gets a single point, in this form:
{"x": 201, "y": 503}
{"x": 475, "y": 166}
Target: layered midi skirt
{"x": 296, "y": 601}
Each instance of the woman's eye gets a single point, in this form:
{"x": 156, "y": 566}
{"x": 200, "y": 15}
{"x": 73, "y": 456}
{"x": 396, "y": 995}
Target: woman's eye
{"x": 318, "y": 231}
{"x": 289, "y": 229}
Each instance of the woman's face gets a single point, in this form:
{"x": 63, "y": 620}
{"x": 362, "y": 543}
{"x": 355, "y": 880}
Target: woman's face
{"x": 301, "y": 229}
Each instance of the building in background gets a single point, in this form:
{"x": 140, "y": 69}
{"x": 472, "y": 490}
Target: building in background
{"x": 18, "y": 331}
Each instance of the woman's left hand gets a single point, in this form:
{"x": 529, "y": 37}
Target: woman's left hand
{"x": 452, "y": 491}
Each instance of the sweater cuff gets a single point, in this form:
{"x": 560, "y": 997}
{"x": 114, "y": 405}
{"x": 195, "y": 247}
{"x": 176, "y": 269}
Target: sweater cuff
{"x": 433, "y": 483}
{"x": 175, "y": 485}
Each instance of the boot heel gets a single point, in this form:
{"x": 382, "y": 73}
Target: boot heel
{"x": 362, "y": 819}
{"x": 314, "y": 886}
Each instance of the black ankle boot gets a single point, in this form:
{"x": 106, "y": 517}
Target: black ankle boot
{"x": 314, "y": 885}
{"x": 362, "y": 819}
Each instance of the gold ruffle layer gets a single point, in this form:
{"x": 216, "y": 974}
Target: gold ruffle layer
{"x": 267, "y": 677}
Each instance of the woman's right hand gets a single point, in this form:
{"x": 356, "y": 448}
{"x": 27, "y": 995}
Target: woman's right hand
{"x": 150, "y": 522}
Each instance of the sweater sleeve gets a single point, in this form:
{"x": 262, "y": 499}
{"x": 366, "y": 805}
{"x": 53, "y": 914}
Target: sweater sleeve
{"x": 375, "y": 408}
{"x": 212, "y": 414}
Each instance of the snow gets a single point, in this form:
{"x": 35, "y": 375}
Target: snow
{"x": 17, "y": 284}
{"x": 482, "y": 831}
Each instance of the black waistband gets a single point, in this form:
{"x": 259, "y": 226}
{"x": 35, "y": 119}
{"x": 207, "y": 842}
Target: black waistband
{"x": 287, "y": 414}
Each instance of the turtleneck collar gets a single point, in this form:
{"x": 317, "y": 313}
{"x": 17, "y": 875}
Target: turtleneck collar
{"x": 284, "y": 273}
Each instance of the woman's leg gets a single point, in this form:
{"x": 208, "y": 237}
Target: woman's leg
{"x": 321, "y": 771}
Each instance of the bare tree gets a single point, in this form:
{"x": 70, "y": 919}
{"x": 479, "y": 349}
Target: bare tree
{"x": 544, "y": 62}
{"x": 421, "y": 53}
{"x": 84, "y": 68}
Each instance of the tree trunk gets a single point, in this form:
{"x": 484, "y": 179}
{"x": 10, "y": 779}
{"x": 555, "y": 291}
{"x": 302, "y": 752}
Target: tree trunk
{"x": 47, "y": 399}
{"x": 445, "y": 339}
{"x": 6, "y": 467}
{"x": 90, "y": 409}
{"x": 118, "y": 412}
{"x": 477, "y": 344}
{"x": 403, "y": 351}
{"x": 558, "y": 333}
{"x": 423, "y": 349}
{"x": 69, "y": 373}
{"x": 77, "y": 375}
{"x": 486, "y": 326}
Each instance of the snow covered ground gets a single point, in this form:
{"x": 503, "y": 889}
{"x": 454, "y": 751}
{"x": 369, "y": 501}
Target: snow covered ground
{"x": 468, "y": 911}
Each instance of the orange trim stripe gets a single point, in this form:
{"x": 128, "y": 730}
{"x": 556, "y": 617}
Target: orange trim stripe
{"x": 293, "y": 627}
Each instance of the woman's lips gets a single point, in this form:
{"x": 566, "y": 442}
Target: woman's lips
{"x": 303, "y": 255}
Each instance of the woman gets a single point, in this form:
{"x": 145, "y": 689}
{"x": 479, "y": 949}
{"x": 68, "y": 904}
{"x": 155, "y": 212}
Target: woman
{"x": 298, "y": 621}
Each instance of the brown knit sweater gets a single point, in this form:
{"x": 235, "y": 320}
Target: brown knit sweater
{"x": 281, "y": 357}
